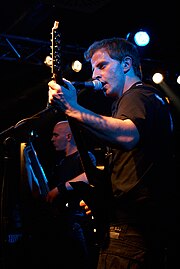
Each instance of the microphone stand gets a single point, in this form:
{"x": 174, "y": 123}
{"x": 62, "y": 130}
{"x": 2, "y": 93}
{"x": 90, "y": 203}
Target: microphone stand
{"x": 7, "y": 136}
{"x": 27, "y": 122}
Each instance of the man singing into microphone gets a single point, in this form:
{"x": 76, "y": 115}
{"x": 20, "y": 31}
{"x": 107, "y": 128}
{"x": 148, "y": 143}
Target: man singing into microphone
{"x": 94, "y": 84}
{"x": 140, "y": 137}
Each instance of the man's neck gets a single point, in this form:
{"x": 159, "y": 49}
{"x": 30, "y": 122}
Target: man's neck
{"x": 71, "y": 151}
{"x": 130, "y": 82}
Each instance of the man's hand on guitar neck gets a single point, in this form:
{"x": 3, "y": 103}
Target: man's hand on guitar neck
{"x": 58, "y": 95}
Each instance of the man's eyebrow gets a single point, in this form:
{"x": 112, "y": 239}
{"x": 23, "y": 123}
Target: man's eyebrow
{"x": 100, "y": 64}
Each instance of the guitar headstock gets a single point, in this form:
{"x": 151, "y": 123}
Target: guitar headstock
{"x": 56, "y": 52}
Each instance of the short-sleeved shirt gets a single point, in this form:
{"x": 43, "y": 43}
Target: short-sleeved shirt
{"x": 68, "y": 168}
{"x": 149, "y": 163}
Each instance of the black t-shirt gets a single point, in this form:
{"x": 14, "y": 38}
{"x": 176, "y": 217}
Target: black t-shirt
{"x": 67, "y": 168}
{"x": 145, "y": 171}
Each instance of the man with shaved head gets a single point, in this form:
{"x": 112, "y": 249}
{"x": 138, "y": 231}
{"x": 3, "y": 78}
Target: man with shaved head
{"x": 73, "y": 229}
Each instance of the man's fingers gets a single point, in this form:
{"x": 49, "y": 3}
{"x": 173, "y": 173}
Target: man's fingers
{"x": 86, "y": 208}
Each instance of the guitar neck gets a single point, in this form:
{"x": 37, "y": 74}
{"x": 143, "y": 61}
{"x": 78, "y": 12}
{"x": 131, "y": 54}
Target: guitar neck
{"x": 88, "y": 166}
{"x": 57, "y": 76}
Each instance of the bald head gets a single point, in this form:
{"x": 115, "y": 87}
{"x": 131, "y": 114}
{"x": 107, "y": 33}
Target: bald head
{"x": 62, "y": 126}
{"x": 62, "y": 138}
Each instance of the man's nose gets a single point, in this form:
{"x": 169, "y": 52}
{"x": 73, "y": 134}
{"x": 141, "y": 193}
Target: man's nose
{"x": 96, "y": 74}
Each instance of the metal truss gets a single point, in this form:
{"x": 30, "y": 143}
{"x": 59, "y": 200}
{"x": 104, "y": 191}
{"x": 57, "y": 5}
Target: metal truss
{"x": 30, "y": 51}
{"x": 27, "y": 50}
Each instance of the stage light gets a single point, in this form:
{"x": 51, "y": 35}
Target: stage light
{"x": 76, "y": 66}
{"x": 178, "y": 79}
{"x": 141, "y": 38}
{"x": 48, "y": 61}
{"x": 157, "y": 78}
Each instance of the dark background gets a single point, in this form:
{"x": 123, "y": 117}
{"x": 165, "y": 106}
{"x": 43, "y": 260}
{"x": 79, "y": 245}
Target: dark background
{"x": 25, "y": 35}
{"x": 25, "y": 39}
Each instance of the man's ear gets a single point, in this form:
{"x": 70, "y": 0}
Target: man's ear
{"x": 127, "y": 63}
{"x": 68, "y": 136}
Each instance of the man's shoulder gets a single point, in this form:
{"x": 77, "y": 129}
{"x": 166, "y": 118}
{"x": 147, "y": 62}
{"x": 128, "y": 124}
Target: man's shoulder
{"x": 144, "y": 90}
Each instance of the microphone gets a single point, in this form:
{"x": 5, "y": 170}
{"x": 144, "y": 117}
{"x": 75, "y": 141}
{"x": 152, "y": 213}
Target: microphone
{"x": 94, "y": 84}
